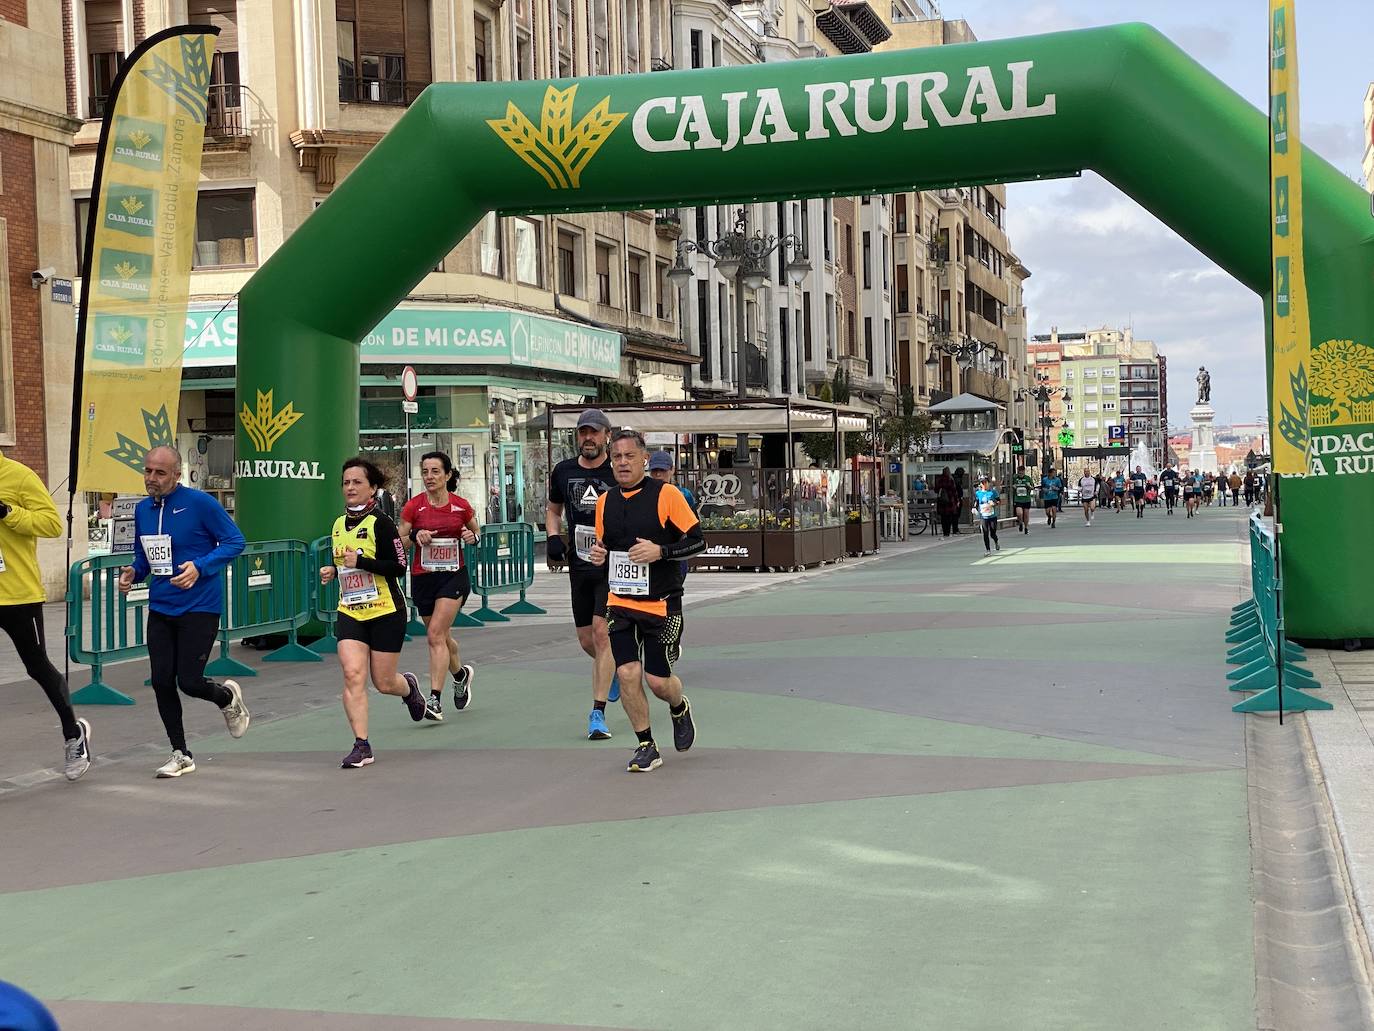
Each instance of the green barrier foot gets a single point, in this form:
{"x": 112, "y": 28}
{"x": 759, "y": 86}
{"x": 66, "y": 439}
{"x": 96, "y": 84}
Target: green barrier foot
{"x": 1293, "y": 701}
{"x": 1294, "y": 652}
{"x": 292, "y": 652}
{"x": 1244, "y": 617}
{"x": 463, "y": 619}
{"x": 1262, "y": 663}
{"x": 327, "y": 645}
{"x": 1246, "y": 606}
{"x": 227, "y": 667}
{"x": 524, "y": 608}
{"x": 488, "y": 615}
{"x": 97, "y": 693}
{"x": 1245, "y": 653}
{"x": 1302, "y": 677}
{"x": 1244, "y": 634}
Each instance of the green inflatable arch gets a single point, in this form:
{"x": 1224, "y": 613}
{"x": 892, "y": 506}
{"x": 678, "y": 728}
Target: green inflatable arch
{"x": 1122, "y": 101}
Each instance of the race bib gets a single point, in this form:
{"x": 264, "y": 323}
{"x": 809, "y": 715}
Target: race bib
{"x": 442, "y": 555}
{"x": 628, "y": 578}
{"x": 356, "y": 586}
{"x": 583, "y": 539}
{"x": 987, "y": 509}
{"x": 157, "y": 548}
{"x": 2, "y": 561}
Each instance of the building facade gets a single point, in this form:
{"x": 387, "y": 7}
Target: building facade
{"x": 37, "y": 328}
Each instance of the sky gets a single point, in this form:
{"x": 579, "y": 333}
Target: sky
{"x": 1098, "y": 258}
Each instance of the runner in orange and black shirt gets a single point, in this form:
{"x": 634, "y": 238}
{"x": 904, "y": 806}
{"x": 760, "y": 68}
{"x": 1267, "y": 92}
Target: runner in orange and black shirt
{"x": 644, "y": 529}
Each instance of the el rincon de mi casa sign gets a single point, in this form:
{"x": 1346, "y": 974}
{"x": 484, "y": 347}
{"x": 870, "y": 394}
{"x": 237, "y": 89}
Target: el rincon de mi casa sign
{"x": 1122, "y": 101}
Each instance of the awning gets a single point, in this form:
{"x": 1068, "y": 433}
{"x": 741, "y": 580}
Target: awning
{"x": 965, "y": 403}
{"x": 966, "y": 442}
{"x": 724, "y": 419}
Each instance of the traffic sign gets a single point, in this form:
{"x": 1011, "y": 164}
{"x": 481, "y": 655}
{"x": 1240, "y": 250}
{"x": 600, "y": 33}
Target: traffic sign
{"x": 410, "y": 407}
{"x": 1117, "y": 432}
{"x": 410, "y": 383}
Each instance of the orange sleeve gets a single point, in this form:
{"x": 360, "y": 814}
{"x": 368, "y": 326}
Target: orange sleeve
{"x": 600, "y": 523}
{"x": 673, "y": 507}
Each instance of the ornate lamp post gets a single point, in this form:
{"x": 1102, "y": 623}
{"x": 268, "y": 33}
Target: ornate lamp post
{"x": 743, "y": 257}
{"x": 964, "y": 350}
{"x": 1041, "y": 395}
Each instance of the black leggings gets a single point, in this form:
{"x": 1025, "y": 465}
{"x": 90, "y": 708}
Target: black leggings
{"x": 989, "y": 532}
{"x": 178, "y": 649}
{"x": 24, "y": 624}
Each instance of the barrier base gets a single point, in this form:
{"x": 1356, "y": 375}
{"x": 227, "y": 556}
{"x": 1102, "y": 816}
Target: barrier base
{"x": 1267, "y": 678}
{"x": 415, "y": 628}
{"x": 224, "y": 666}
{"x": 1245, "y": 653}
{"x": 1244, "y": 633}
{"x": 524, "y": 608}
{"x": 489, "y": 615}
{"x": 1254, "y": 666}
{"x": 326, "y": 645}
{"x": 1246, "y": 606}
{"x": 292, "y": 652}
{"x": 1293, "y": 701}
{"x": 463, "y": 619}
{"x": 99, "y": 693}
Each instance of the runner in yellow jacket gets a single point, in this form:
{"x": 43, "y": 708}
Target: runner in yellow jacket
{"x": 27, "y": 513}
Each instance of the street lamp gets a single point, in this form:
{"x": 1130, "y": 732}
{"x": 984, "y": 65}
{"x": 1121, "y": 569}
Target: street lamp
{"x": 1041, "y": 395}
{"x": 964, "y": 350}
{"x": 743, "y": 257}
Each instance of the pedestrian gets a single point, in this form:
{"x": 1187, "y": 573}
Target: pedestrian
{"x": 1022, "y": 497}
{"x": 985, "y": 499}
{"x": 575, "y": 486}
{"x": 1051, "y": 487}
{"x": 27, "y": 512}
{"x": 1249, "y": 485}
{"x": 435, "y": 525}
{"x": 661, "y": 468}
{"x": 369, "y": 562}
{"x": 1235, "y": 485}
{"x": 1087, "y": 494}
{"x": 644, "y": 529}
{"x": 185, "y": 539}
{"x": 947, "y": 502}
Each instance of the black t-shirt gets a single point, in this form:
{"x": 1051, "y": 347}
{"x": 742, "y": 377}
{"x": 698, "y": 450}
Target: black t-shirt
{"x": 1170, "y": 479}
{"x": 577, "y": 488}
{"x": 1138, "y": 483}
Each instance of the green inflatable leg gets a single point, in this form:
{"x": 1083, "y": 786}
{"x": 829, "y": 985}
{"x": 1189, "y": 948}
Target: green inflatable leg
{"x": 292, "y": 651}
{"x": 224, "y": 666}
{"x": 1264, "y": 662}
{"x": 1293, "y": 701}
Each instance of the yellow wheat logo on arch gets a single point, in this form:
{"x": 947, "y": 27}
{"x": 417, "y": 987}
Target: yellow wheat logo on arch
{"x": 265, "y": 427}
{"x": 557, "y": 149}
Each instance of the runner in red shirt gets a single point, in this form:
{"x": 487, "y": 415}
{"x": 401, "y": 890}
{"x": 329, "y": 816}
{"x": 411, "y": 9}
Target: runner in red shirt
{"x": 432, "y": 525}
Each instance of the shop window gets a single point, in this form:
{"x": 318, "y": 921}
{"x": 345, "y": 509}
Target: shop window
{"x": 529, "y": 264}
{"x": 225, "y": 233}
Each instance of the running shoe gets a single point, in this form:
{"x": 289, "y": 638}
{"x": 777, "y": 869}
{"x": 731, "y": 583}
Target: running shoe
{"x": 684, "y": 728}
{"x": 596, "y": 726}
{"x": 434, "y": 708}
{"x": 358, "y": 758}
{"x": 646, "y": 758}
{"x": 414, "y": 701}
{"x": 997, "y": 545}
{"x": 614, "y": 696}
{"x": 178, "y": 764}
{"x": 78, "y": 759}
{"x": 235, "y": 713}
{"x": 462, "y": 689}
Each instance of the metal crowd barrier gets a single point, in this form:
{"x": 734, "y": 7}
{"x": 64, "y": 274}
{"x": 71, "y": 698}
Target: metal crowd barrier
{"x": 266, "y": 591}
{"x": 502, "y": 561}
{"x": 1266, "y": 660}
{"x": 109, "y": 629}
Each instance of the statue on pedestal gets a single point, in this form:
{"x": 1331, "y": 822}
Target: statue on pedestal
{"x": 1204, "y": 385}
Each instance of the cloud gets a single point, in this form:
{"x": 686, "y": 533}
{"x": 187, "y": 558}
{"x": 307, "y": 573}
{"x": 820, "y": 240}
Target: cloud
{"x": 1204, "y": 43}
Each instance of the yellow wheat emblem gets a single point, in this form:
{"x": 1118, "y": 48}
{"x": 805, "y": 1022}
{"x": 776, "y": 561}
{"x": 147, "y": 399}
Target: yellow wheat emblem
{"x": 265, "y": 427}
{"x": 126, "y": 270}
{"x": 120, "y": 334}
{"x": 131, "y": 205}
{"x": 557, "y": 150}
{"x": 140, "y": 139}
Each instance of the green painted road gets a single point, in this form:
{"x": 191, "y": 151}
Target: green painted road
{"x": 939, "y": 790}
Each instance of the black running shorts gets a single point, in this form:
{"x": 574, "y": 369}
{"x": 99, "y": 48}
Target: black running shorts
{"x": 382, "y": 634}
{"x": 589, "y": 594}
{"x": 659, "y": 637}
{"x": 427, "y": 588}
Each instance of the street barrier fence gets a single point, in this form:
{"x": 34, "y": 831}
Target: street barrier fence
{"x": 273, "y": 587}
{"x": 1266, "y": 660}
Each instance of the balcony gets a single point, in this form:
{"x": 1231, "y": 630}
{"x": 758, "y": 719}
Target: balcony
{"x": 226, "y": 116}
{"x": 852, "y": 25}
{"x": 358, "y": 89}
{"x": 667, "y": 224}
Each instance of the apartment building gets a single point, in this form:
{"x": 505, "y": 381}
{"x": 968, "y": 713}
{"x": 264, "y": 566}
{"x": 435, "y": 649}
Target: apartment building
{"x": 300, "y": 93}
{"x": 37, "y": 256}
{"x": 960, "y": 319}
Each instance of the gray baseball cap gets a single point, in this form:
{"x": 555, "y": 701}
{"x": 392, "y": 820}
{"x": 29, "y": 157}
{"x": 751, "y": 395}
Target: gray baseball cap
{"x": 660, "y": 460}
{"x": 595, "y": 418}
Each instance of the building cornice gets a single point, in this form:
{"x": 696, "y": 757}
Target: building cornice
{"x": 40, "y": 123}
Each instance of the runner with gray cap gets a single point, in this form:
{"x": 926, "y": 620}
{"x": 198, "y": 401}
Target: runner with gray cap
{"x": 574, "y": 487}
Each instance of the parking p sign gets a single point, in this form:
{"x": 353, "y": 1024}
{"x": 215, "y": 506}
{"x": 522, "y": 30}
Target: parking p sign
{"x": 1116, "y": 432}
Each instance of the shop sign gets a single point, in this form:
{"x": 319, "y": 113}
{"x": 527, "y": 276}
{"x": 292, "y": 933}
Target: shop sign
{"x": 731, "y": 548}
{"x": 447, "y": 335}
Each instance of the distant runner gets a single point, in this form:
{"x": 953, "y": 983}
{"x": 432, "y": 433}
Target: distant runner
{"x": 1138, "y": 491}
{"x": 1087, "y": 495}
{"x": 1022, "y": 498}
{"x": 1051, "y": 486}
{"x": 1119, "y": 490}
{"x": 1169, "y": 477}
{"x": 985, "y": 500}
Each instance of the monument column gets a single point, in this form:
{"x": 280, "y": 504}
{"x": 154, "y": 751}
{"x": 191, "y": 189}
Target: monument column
{"x": 1202, "y": 457}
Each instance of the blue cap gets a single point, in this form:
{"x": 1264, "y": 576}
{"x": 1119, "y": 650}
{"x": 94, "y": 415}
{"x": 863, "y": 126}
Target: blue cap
{"x": 660, "y": 460}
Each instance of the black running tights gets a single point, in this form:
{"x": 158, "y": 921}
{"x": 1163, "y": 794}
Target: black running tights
{"x": 989, "y": 532}
{"x": 178, "y": 649}
{"x": 24, "y": 624}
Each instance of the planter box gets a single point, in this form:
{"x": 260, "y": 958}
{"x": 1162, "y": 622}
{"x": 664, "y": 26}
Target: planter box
{"x": 861, "y": 538}
{"x": 732, "y": 549}
{"x": 832, "y": 543}
{"x": 781, "y": 549}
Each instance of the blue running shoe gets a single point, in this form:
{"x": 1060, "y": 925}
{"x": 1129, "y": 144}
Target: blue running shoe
{"x": 596, "y": 726}
{"x": 614, "y": 696}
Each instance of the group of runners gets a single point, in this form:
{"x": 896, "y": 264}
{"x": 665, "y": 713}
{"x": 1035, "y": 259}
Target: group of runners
{"x": 630, "y": 531}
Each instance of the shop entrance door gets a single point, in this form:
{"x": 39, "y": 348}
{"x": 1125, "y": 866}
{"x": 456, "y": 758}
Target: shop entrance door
{"x": 512, "y": 482}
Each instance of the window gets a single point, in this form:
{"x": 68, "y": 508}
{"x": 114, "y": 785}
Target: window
{"x": 701, "y": 224}
{"x": 829, "y": 223}
{"x": 629, "y": 20}
{"x": 225, "y": 233}
{"x": 1068, "y": 406}
{"x": 1109, "y": 373}
{"x": 1090, "y": 424}
{"x": 106, "y": 45}
{"x": 224, "y": 115}
{"x": 1090, "y": 388}
{"x": 903, "y": 294}
{"x": 600, "y": 38}
{"x": 726, "y": 336}
{"x": 567, "y": 264}
{"x": 850, "y": 338}
{"x": 1091, "y": 442}
{"x": 868, "y": 259}
{"x": 900, "y": 213}
{"x": 1109, "y": 406}
{"x": 849, "y": 256}
{"x": 704, "y": 328}
{"x": 384, "y": 50}
{"x": 868, "y": 342}
{"x": 481, "y": 48}
{"x": 635, "y": 284}
{"x": 806, "y": 325}
{"x": 715, "y": 52}
{"x": 603, "y": 270}
{"x": 529, "y": 260}
{"x": 1090, "y": 374}
{"x": 662, "y": 288}
{"x": 784, "y": 355}
{"x": 1108, "y": 388}
{"x": 1090, "y": 406}
{"x": 346, "y": 33}
{"x": 524, "y": 39}
{"x": 882, "y": 256}
{"x": 696, "y": 48}
{"x": 564, "y": 35}
{"x": 1068, "y": 374}
{"x": 829, "y": 326}
{"x": 490, "y": 246}
{"x": 7, "y": 380}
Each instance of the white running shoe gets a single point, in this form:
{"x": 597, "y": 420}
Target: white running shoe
{"x": 235, "y": 713}
{"x": 178, "y": 764}
{"x": 78, "y": 759}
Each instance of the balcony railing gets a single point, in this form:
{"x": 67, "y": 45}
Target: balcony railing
{"x": 358, "y": 89}
{"x": 224, "y": 113}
